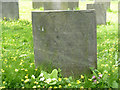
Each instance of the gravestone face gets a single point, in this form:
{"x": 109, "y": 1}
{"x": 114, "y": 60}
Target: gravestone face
{"x": 55, "y": 4}
{"x": 9, "y": 9}
{"x": 65, "y": 40}
{"x": 100, "y": 12}
{"x": 105, "y": 2}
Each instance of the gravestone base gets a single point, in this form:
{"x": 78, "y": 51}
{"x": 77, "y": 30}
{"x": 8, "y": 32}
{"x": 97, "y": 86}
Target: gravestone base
{"x": 65, "y": 40}
{"x": 100, "y": 12}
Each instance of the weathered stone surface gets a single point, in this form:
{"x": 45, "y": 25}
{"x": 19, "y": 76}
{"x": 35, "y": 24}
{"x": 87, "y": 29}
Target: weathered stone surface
{"x": 100, "y": 12}
{"x": 9, "y": 9}
{"x": 105, "y": 2}
{"x": 55, "y": 4}
{"x": 66, "y": 40}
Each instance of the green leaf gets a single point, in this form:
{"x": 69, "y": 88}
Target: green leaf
{"x": 114, "y": 84}
{"x": 45, "y": 74}
{"x": 54, "y": 74}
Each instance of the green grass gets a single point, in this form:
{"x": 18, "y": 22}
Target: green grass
{"x": 18, "y": 55}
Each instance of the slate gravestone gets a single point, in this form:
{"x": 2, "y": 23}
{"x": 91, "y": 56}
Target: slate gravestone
{"x": 105, "y": 2}
{"x": 66, "y": 40}
{"x": 55, "y": 4}
{"x": 9, "y": 9}
{"x": 100, "y": 12}
{"x": 0, "y": 10}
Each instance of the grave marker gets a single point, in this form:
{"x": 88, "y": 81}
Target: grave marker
{"x": 9, "y": 9}
{"x": 100, "y": 12}
{"x": 55, "y": 4}
{"x": 66, "y": 40}
{"x": 105, "y": 2}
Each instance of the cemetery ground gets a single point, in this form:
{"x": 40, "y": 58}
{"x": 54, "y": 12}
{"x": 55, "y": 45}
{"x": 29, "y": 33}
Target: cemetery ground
{"x": 18, "y": 69}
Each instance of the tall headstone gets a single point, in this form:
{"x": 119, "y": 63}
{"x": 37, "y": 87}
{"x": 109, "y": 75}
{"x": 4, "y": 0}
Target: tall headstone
{"x": 65, "y": 40}
{"x": 100, "y": 12}
{"x": 105, "y": 2}
{"x": 55, "y": 4}
{"x": 9, "y": 9}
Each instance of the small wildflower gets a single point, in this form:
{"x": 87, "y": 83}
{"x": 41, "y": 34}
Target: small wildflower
{"x": 22, "y": 79}
{"x": 59, "y": 79}
{"x": 35, "y": 82}
{"x": 100, "y": 75}
{"x": 42, "y": 79}
{"x": 3, "y": 82}
{"x": 33, "y": 76}
{"x": 66, "y": 78}
{"x": 50, "y": 87}
{"x": 16, "y": 70}
{"x": 48, "y": 81}
{"x": 90, "y": 79}
{"x": 93, "y": 77}
{"x": 20, "y": 63}
{"x": 78, "y": 82}
{"x": 82, "y": 77}
{"x": 34, "y": 86}
{"x": 2, "y": 87}
{"x": 105, "y": 71}
{"x": 106, "y": 65}
{"x": 23, "y": 87}
{"x": 2, "y": 71}
{"x": 26, "y": 80}
{"x": 38, "y": 86}
{"x": 55, "y": 87}
{"x": 54, "y": 79}
{"x": 41, "y": 75}
{"x": 97, "y": 82}
{"x": 102, "y": 65}
{"x": 69, "y": 84}
{"x": 26, "y": 76}
{"x": 81, "y": 87}
{"x": 60, "y": 86}
{"x": 26, "y": 70}
{"x": 36, "y": 69}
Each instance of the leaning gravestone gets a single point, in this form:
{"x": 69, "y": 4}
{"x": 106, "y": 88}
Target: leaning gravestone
{"x": 65, "y": 40}
{"x": 100, "y": 12}
{"x": 105, "y": 2}
{"x": 55, "y": 4}
{"x": 9, "y": 9}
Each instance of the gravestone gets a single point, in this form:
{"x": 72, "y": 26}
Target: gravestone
{"x": 9, "y": 9}
{"x": 100, "y": 12}
{"x": 105, "y": 2}
{"x": 65, "y": 40}
{"x": 55, "y": 4}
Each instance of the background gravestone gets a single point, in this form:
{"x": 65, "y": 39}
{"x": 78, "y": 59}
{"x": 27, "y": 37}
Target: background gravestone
{"x": 9, "y": 9}
{"x": 66, "y": 40}
{"x": 55, "y": 4}
{"x": 105, "y": 2}
{"x": 100, "y": 12}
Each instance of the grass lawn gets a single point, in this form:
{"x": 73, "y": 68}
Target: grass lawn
{"x": 18, "y": 69}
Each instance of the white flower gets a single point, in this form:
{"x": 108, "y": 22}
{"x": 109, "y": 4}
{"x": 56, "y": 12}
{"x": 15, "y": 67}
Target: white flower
{"x": 26, "y": 80}
{"x": 16, "y": 70}
{"x": 48, "y": 81}
{"x": 42, "y": 79}
{"x": 54, "y": 79}
{"x": 41, "y": 75}
{"x": 33, "y": 76}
